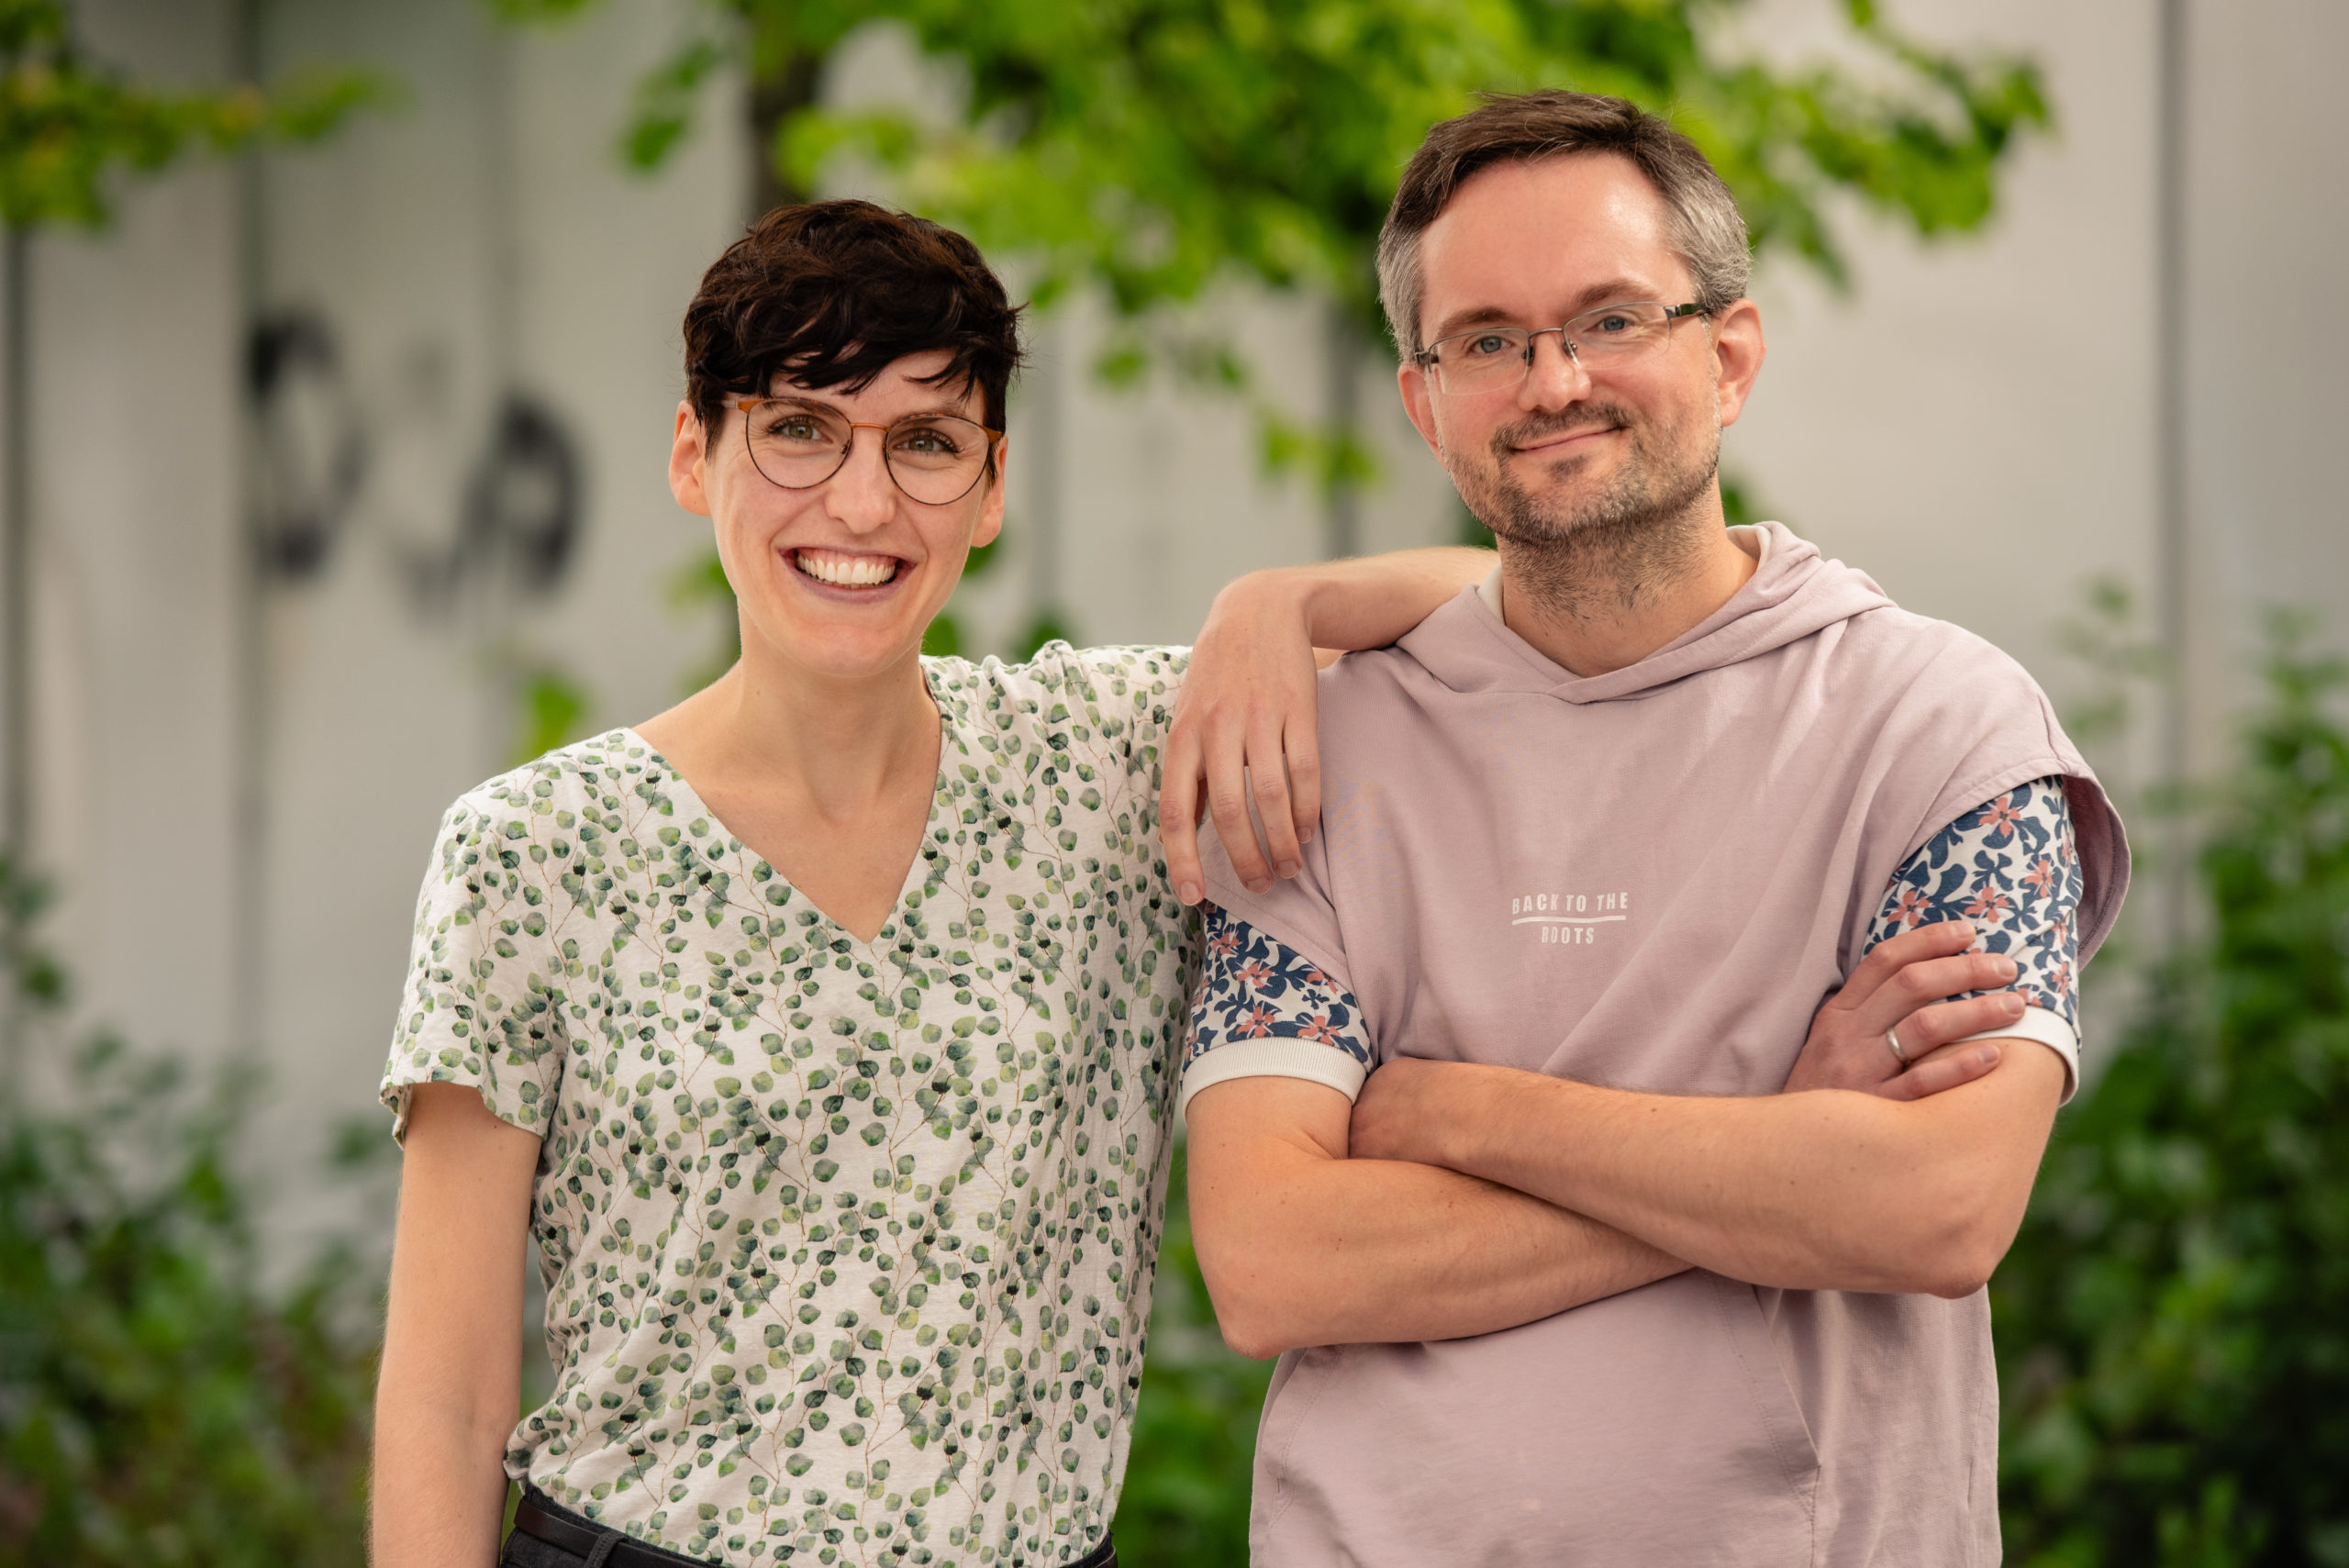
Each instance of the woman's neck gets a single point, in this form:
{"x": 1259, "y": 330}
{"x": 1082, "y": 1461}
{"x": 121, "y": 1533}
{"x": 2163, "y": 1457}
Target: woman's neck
{"x": 840, "y": 745}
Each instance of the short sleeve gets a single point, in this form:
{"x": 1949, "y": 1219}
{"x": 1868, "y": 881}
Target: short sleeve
{"x": 1264, "y": 1010}
{"x": 2009, "y": 866}
{"x": 485, "y": 978}
{"x": 1126, "y": 696}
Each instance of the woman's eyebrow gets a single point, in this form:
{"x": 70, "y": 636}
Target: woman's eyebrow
{"x": 806, "y": 400}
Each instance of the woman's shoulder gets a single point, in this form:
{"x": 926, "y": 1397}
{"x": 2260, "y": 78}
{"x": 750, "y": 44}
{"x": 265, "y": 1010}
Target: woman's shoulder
{"x": 1060, "y": 687}
{"x": 554, "y": 789}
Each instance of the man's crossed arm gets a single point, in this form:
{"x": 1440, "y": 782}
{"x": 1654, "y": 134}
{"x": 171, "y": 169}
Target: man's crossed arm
{"x": 1454, "y": 1199}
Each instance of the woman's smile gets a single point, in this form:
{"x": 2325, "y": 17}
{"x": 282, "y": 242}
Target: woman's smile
{"x": 855, "y": 570}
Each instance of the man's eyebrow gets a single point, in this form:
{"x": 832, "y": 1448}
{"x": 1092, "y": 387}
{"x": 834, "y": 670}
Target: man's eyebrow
{"x": 1614, "y": 291}
{"x": 1460, "y": 320}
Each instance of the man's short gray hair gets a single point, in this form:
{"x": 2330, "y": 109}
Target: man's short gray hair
{"x": 1707, "y": 231}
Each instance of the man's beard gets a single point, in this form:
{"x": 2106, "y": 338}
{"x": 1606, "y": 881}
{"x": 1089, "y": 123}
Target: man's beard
{"x": 1616, "y": 548}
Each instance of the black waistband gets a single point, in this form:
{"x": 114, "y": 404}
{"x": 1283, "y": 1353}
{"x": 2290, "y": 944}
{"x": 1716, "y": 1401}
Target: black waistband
{"x": 600, "y": 1546}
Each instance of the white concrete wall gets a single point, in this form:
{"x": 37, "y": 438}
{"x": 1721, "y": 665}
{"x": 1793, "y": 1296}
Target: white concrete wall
{"x": 482, "y": 238}
{"x": 136, "y": 427}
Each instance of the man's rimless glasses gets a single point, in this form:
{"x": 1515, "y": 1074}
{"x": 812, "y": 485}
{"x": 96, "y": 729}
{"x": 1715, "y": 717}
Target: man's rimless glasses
{"x": 1494, "y": 359}
{"x": 933, "y": 458}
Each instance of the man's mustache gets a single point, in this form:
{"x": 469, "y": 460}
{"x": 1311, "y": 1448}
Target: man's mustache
{"x": 1546, "y": 427}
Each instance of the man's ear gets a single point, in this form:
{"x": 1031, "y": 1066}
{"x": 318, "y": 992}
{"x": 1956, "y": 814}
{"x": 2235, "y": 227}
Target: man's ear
{"x": 1419, "y": 403}
{"x": 687, "y": 452}
{"x": 1737, "y": 356}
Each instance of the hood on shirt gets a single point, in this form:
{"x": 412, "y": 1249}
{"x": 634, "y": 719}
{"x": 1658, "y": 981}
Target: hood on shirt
{"x": 1794, "y": 592}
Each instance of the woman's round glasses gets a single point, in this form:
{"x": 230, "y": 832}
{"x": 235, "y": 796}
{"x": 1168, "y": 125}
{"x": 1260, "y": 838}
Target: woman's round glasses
{"x": 1491, "y": 359}
{"x": 933, "y": 458}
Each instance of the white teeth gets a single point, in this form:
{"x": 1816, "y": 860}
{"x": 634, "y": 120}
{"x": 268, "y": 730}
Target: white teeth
{"x": 844, "y": 570}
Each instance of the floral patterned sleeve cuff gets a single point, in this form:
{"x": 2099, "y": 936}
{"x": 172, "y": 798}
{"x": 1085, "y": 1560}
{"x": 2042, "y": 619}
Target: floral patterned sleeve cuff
{"x": 2009, "y": 867}
{"x": 1266, "y": 1011}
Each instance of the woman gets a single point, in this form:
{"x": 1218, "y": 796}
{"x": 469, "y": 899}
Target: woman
{"x": 820, "y": 1029}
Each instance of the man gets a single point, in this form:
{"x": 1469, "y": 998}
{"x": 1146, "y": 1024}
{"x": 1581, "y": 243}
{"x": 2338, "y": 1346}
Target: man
{"x": 1600, "y": 836}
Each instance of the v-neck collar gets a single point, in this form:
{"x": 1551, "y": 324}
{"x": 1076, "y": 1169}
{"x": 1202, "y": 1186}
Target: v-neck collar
{"x": 925, "y": 849}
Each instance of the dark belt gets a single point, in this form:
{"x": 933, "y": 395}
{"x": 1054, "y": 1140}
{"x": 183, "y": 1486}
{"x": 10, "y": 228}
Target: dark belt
{"x": 603, "y": 1547}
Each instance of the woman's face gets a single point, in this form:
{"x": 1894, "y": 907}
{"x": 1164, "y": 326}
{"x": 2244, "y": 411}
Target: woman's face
{"x": 841, "y": 578}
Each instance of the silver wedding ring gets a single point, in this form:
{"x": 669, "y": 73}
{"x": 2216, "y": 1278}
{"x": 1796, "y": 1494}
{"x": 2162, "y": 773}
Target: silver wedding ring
{"x": 1892, "y": 1039}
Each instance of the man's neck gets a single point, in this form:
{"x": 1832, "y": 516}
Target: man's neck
{"x": 1599, "y": 600}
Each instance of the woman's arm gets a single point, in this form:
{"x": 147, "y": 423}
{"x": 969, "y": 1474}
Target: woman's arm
{"x": 1248, "y": 702}
{"x": 452, "y": 1335}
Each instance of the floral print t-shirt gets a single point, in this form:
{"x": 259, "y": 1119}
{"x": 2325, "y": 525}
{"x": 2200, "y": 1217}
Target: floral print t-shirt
{"x": 848, "y": 1247}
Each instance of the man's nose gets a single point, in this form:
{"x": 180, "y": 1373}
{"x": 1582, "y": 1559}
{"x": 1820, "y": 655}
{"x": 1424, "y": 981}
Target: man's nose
{"x": 1557, "y": 377}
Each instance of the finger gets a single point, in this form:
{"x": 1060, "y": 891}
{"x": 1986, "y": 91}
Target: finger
{"x": 1943, "y": 1071}
{"x": 1929, "y": 1028}
{"x": 1268, "y": 780}
{"x": 1178, "y": 817}
{"x": 1301, "y": 740}
{"x": 1228, "y": 804}
{"x": 1920, "y": 985}
{"x": 1888, "y": 957}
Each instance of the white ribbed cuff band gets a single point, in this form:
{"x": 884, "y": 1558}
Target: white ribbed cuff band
{"x": 1277, "y": 1057}
{"x": 2050, "y": 1030}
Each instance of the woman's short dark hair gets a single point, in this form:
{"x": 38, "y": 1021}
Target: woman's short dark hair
{"x": 831, "y": 293}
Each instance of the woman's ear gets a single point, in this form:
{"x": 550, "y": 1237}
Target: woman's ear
{"x": 991, "y": 509}
{"x": 687, "y": 452}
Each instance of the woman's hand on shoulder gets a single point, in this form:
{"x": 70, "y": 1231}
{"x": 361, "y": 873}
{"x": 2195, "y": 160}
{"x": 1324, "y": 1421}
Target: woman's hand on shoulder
{"x": 1244, "y": 736}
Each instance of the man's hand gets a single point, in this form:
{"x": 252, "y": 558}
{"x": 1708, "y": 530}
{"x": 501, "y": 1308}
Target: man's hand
{"x": 1898, "y": 986}
{"x": 1830, "y": 1190}
{"x": 1245, "y": 720}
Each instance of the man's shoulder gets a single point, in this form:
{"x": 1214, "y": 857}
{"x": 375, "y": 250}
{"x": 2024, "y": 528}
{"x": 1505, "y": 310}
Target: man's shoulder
{"x": 1936, "y": 662}
{"x": 1375, "y": 684}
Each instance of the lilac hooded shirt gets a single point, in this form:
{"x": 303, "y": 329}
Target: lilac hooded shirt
{"x": 1712, "y": 828}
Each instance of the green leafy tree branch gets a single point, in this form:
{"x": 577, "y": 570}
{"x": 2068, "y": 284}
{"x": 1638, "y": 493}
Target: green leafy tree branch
{"x": 1154, "y": 148}
{"x": 71, "y": 125}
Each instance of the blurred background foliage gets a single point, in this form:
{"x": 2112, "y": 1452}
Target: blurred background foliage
{"x": 71, "y": 125}
{"x": 2173, "y": 1322}
{"x": 161, "y": 1402}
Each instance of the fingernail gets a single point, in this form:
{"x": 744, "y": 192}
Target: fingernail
{"x": 1289, "y": 868}
{"x": 1189, "y": 892}
{"x": 2007, "y": 968}
{"x": 1306, "y": 837}
{"x": 2012, "y": 1005}
{"x": 1265, "y": 886}
{"x": 1987, "y": 1056}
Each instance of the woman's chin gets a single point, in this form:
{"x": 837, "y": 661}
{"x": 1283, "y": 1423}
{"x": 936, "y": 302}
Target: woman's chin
{"x": 858, "y": 650}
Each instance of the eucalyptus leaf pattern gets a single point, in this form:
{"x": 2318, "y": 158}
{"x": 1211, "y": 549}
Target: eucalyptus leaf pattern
{"x": 848, "y": 1247}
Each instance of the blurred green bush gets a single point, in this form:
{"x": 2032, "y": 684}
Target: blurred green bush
{"x": 1186, "y": 1498}
{"x": 160, "y": 1404}
{"x": 2173, "y": 1322}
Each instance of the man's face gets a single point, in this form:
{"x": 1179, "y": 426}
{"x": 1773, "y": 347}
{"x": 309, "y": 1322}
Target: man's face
{"x": 1574, "y": 447}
